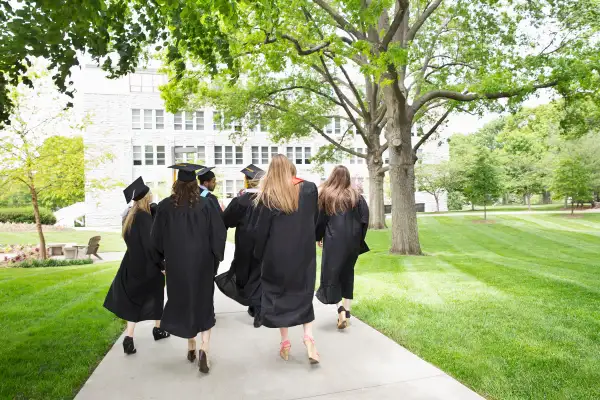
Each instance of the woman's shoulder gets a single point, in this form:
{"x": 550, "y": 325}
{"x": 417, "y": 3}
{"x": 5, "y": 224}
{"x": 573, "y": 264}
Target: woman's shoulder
{"x": 308, "y": 187}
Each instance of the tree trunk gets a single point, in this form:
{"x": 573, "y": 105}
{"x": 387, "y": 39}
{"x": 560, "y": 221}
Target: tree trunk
{"x": 376, "y": 204}
{"x": 547, "y": 197}
{"x": 566, "y": 201}
{"x": 572, "y": 207}
{"x": 529, "y": 201}
{"x": 485, "y": 209}
{"x": 472, "y": 206}
{"x": 38, "y": 221}
{"x": 437, "y": 202}
{"x": 405, "y": 231}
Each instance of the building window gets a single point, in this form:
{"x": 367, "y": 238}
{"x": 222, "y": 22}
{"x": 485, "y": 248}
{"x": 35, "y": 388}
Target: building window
{"x": 136, "y": 119}
{"x": 178, "y": 121}
{"x": 147, "y": 119}
{"x": 149, "y": 155}
{"x": 145, "y": 82}
{"x": 233, "y": 155}
{"x": 218, "y": 155}
{"x": 337, "y": 125}
{"x": 260, "y": 155}
{"x": 239, "y": 155}
{"x": 189, "y": 121}
{"x": 160, "y": 155}
{"x": 217, "y": 120}
{"x": 201, "y": 154}
{"x": 199, "y": 120}
{"x": 289, "y": 153}
{"x": 307, "y": 155}
{"x": 159, "y": 118}
{"x": 299, "y": 155}
{"x": 137, "y": 155}
{"x": 233, "y": 187}
{"x": 358, "y": 160}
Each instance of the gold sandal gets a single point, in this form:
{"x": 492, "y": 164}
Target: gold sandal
{"x": 313, "y": 354}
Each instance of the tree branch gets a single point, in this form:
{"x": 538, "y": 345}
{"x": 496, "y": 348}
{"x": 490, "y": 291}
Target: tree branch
{"x": 341, "y": 96}
{"x": 355, "y": 91}
{"x": 452, "y": 95}
{"x": 291, "y": 88}
{"x": 433, "y": 129}
{"x": 319, "y": 130}
{"x": 305, "y": 52}
{"x": 341, "y": 21}
{"x": 395, "y": 25}
{"x": 412, "y": 32}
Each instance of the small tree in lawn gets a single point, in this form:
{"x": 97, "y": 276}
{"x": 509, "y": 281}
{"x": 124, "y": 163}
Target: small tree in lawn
{"x": 435, "y": 179}
{"x": 484, "y": 179}
{"x": 573, "y": 179}
{"x": 31, "y": 152}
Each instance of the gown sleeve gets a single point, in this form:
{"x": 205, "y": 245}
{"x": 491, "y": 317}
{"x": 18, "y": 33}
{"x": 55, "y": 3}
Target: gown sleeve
{"x": 157, "y": 232}
{"x": 145, "y": 225}
{"x": 233, "y": 214}
{"x": 321, "y": 224}
{"x": 217, "y": 233}
{"x": 363, "y": 212}
{"x": 261, "y": 229}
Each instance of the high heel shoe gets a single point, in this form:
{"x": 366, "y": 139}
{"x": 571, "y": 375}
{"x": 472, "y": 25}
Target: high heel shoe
{"x": 128, "y": 346}
{"x": 284, "y": 350}
{"x": 313, "y": 354}
{"x": 203, "y": 361}
{"x": 342, "y": 323}
{"x": 348, "y": 317}
{"x": 160, "y": 333}
{"x": 191, "y": 355}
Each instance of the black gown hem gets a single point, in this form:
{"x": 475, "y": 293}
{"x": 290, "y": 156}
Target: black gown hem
{"x": 329, "y": 294}
{"x": 185, "y": 334}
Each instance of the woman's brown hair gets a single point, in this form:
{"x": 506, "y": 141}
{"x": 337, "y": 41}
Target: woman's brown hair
{"x": 139, "y": 205}
{"x": 337, "y": 194}
{"x": 277, "y": 190}
{"x": 185, "y": 191}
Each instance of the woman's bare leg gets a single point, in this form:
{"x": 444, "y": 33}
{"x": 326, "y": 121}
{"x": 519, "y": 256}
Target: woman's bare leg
{"x": 205, "y": 336}
{"x": 130, "y": 328}
{"x": 284, "y": 334}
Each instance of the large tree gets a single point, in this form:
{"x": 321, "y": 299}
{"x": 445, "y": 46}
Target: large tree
{"x": 427, "y": 55}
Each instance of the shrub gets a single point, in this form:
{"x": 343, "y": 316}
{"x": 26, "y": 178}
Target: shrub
{"x": 455, "y": 201}
{"x": 25, "y": 215}
{"x": 51, "y": 262}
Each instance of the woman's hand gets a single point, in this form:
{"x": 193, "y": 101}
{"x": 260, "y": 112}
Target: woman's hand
{"x": 320, "y": 243}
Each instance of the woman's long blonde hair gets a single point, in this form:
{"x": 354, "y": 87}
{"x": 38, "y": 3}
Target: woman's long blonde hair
{"x": 139, "y": 205}
{"x": 277, "y": 190}
{"x": 337, "y": 194}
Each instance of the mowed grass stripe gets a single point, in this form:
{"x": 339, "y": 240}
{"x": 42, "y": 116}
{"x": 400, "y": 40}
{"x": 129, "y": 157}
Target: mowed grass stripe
{"x": 509, "y": 309}
{"x": 52, "y": 343}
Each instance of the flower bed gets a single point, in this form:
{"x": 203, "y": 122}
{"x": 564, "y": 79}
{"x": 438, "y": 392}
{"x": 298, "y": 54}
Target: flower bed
{"x": 21, "y": 253}
{"x": 50, "y": 262}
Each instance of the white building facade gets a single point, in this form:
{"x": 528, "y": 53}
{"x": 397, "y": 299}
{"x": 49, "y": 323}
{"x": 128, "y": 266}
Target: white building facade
{"x": 129, "y": 122}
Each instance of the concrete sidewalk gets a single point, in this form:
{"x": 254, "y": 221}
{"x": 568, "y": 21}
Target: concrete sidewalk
{"x": 357, "y": 363}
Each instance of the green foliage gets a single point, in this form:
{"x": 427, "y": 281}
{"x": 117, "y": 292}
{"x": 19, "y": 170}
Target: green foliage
{"x": 51, "y": 262}
{"x": 455, "y": 201}
{"x": 483, "y": 179}
{"x": 25, "y": 215}
{"x": 436, "y": 179}
{"x": 572, "y": 179}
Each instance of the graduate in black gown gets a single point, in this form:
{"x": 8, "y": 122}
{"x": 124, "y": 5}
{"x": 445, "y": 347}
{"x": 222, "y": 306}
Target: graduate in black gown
{"x": 285, "y": 242}
{"x": 208, "y": 183}
{"x": 189, "y": 232}
{"x": 137, "y": 292}
{"x": 242, "y": 281}
{"x": 341, "y": 229}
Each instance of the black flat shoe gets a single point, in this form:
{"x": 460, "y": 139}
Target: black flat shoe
{"x": 160, "y": 333}
{"x": 257, "y": 323}
{"x": 191, "y": 356}
{"x": 203, "y": 362}
{"x": 251, "y": 311}
{"x": 128, "y": 346}
{"x": 342, "y": 323}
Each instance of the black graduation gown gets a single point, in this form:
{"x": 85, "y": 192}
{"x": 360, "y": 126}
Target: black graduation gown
{"x": 343, "y": 238}
{"x": 191, "y": 239}
{"x": 242, "y": 281}
{"x": 214, "y": 201}
{"x": 137, "y": 292}
{"x": 286, "y": 246}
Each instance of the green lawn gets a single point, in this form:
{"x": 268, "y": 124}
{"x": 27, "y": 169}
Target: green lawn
{"x": 54, "y": 330}
{"x": 511, "y": 309}
{"x": 111, "y": 241}
{"x": 517, "y": 207}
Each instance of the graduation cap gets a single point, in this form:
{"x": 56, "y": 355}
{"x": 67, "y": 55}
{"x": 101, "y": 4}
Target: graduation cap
{"x": 253, "y": 172}
{"x": 186, "y": 171}
{"x": 205, "y": 174}
{"x": 136, "y": 191}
